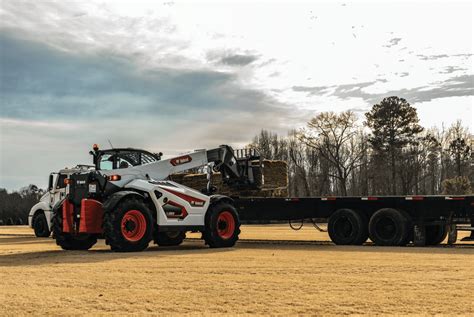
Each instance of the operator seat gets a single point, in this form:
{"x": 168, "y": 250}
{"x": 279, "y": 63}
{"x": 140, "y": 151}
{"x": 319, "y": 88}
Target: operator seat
{"x": 123, "y": 164}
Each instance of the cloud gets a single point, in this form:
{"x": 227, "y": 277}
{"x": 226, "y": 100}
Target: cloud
{"x": 238, "y": 60}
{"x": 452, "y": 69}
{"x": 432, "y": 57}
{"x": 402, "y": 74}
{"x": 39, "y": 82}
{"x": 454, "y": 86}
{"x": 393, "y": 42}
{"x": 54, "y": 100}
{"x": 230, "y": 58}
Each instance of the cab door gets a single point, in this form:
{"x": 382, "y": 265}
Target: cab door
{"x": 59, "y": 189}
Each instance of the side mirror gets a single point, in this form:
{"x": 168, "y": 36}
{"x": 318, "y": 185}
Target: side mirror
{"x": 50, "y": 185}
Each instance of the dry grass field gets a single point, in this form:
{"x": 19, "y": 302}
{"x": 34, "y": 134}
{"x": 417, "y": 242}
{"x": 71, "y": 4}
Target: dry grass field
{"x": 305, "y": 276}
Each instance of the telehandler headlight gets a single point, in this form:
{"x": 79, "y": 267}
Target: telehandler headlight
{"x": 114, "y": 178}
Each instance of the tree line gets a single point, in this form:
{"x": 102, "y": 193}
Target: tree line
{"x": 15, "y": 206}
{"x": 389, "y": 153}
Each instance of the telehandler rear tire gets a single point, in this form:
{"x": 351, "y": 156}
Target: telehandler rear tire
{"x": 68, "y": 241}
{"x": 222, "y": 226}
{"x": 129, "y": 226}
{"x": 169, "y": 238}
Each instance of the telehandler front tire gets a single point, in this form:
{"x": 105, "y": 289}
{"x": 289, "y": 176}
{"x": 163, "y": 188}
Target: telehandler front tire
{"x": 128, "y": 227}
{"x": 222, "y": 226}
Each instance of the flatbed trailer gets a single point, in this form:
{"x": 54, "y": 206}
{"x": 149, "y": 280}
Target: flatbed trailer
{"x": 387, "y": 220}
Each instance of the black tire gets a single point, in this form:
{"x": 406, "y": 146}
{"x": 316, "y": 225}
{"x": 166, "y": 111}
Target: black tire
{"x": 389, "y": 227}
{"x": 410, "y": 230}
{"x": 169, "y": 238}
{"x": 435, "y": 234}
{"x": 347, "y": 227}
{"x": 136, "y": 233}
{"x": 69, "y": 241}
{"x": 222, "y": 226}
{"x": 40, "y": 225}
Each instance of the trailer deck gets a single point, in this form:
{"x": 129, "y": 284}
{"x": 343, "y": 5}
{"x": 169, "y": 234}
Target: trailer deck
{"x": 389, "y": 220}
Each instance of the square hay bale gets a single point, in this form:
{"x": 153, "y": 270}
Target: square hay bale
{"x": 275, "y": 174}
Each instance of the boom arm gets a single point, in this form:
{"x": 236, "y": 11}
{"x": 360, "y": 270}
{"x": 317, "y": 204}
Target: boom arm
{"x": 234, "y": 172}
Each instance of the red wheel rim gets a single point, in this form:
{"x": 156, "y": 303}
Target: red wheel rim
{"x": 133, "y": 225}
{"x": 225, "y": 225}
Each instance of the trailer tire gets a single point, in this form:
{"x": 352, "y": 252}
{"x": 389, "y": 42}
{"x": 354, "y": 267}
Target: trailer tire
{"x": 222, "y": 225}
{"x": 128, "y": 227}
{"x": 68, "y": 241}
{"x": 410, "y": 229}
{"x": 389, "y": 227}
{"x": 347, "y": 227}
{"x": 40, "y": 225}
{"x": 169, "y": 238}
{"x": 436, "y": 234}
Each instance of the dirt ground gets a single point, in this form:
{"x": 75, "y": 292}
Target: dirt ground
{"x": 266, "y": 273}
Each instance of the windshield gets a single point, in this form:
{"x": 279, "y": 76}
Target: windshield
{"x": 124, "y": 159}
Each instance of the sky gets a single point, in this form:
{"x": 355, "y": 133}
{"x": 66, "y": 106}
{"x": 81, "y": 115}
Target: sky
{"x": 174, "y": 76}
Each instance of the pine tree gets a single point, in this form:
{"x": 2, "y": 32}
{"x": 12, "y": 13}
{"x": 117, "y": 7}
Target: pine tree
{"x": 394, "y": 125}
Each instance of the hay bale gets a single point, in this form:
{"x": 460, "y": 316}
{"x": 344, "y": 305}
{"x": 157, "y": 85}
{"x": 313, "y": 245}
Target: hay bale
{"x": 275, "y": 174}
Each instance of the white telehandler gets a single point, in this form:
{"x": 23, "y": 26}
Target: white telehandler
{"x": 128, "y": 200}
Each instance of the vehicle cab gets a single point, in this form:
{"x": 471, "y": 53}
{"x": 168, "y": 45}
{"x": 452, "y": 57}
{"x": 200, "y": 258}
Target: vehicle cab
{"x": 40, "y": 214}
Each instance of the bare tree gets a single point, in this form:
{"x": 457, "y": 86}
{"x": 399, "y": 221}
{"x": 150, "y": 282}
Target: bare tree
{"x": 334, "y": 137}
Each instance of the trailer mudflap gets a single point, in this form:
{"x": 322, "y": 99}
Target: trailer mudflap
{"x": 91, "y": 216}
{"x": 68, "y": 217}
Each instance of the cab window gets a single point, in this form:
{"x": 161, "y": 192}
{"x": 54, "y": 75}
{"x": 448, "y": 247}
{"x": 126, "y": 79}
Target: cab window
{"x": 106, "y": 162}
{"x": 122, "y": 163}
{"x": 60, "y": 183}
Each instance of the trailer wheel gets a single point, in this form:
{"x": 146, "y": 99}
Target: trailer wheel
{"x": 40, "y": 225}
{"x": 128, "y": 227}
{"x": 389, "y": 227}
{"x": 436, "y": 234}
{"x": 68, "y": 241}
{"x": 410, "y": 228}
{"x": 169, "y": 238}
{"x": 347, "y": 227}
{"x": 222, "y": 226}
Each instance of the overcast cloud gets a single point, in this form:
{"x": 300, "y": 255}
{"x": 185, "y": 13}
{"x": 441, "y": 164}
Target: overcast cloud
{"x": 174, "y": 76}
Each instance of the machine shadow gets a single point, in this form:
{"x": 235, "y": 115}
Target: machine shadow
{"x": 101, "y": 253}
{"x": 48, "y": 257}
